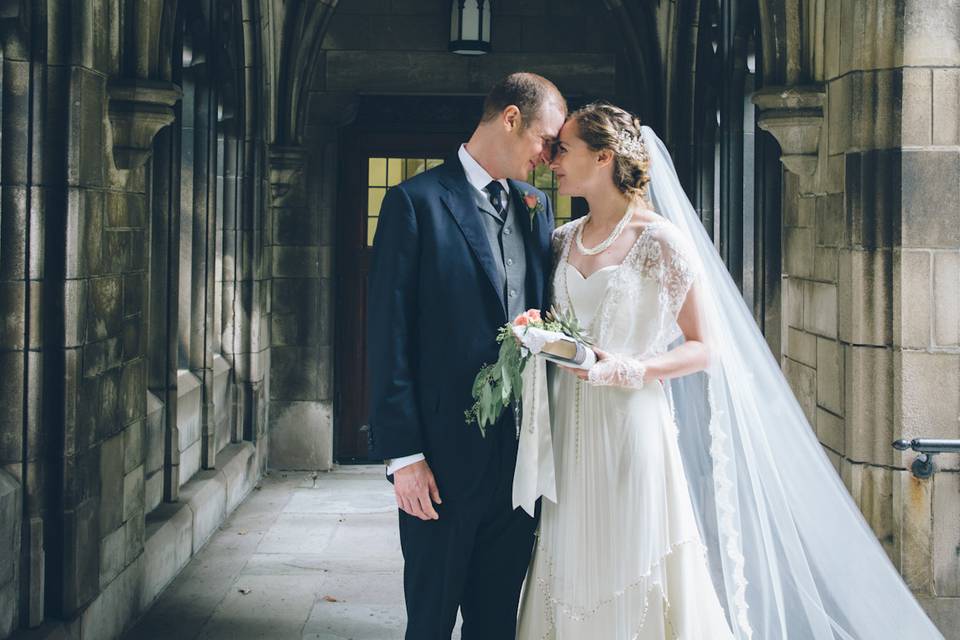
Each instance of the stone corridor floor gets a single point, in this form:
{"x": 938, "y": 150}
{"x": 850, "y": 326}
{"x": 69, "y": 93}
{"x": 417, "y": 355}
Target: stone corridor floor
{"x": 303, "y": 557}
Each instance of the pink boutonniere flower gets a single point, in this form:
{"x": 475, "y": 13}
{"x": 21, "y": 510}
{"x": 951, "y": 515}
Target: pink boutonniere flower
{"x": 534, "y": 206}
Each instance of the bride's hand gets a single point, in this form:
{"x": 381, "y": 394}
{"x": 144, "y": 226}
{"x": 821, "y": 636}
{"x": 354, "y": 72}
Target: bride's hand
{"x": 583, "y": 373}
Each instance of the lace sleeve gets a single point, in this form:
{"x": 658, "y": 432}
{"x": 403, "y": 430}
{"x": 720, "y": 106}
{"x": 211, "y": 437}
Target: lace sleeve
{"x": 618, "y": 371}
{"x": 677, "y": 269}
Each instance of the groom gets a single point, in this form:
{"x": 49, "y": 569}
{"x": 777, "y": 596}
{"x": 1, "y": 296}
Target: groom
{"x": 459, "y": 251}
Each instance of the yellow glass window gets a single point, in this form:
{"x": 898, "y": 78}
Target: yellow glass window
{"x": 394, "y": 171}
{"x": 377, "y": 172}
{"x": 545, "y": 180}
{"x": 543, "y": 177}
{"x": 374, "y": 200}
{"x": 415, "y": 166}
{"x": 387, "y": 172}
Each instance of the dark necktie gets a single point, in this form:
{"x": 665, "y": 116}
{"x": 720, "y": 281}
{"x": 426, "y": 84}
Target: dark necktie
{"x": 496, "y": 193}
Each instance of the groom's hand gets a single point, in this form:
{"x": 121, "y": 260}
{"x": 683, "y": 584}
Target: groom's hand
{"x": 414, "y": 487}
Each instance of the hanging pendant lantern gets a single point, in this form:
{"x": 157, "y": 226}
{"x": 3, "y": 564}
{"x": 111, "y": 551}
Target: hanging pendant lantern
{"x": 470, "y": 27}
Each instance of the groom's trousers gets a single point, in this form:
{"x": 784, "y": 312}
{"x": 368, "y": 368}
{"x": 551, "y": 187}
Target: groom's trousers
{"x": 473, "y": 558}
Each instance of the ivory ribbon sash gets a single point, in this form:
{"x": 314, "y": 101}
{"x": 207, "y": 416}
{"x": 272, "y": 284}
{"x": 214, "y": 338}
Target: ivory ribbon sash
{"x": 534, "y": 474}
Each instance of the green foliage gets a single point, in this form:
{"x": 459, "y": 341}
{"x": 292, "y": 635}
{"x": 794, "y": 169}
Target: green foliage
{"x": 500, "y": 385}
{"x": 567, "y": 324}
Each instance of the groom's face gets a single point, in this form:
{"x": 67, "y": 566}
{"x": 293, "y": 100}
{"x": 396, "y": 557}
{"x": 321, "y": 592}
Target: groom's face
{"x": 531, "y": 144}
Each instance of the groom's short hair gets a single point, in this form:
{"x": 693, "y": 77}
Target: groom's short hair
{"x": 527, "y": 91}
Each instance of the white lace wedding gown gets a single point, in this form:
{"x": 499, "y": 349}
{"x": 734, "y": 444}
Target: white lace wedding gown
{"x": 619, "y": 556}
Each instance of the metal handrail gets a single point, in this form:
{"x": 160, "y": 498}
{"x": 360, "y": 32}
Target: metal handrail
{"x": 923, "y": 466}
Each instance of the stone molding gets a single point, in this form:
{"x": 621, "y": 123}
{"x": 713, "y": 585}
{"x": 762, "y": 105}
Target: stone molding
{"x": 174, "y": 533}
{"x": 794, "y": 116}
{"x": 11, "y": 506}
{"x": 139, "y": 109}
{"x": 286, "y": 173}
{"x": 304, "y": 28}
{"x": 14, "y": 24}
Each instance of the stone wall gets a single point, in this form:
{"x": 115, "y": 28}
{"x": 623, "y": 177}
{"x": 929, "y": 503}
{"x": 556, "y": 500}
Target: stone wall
{"x": 10, "y": 518}
{"x": 98, "y": 459}
{"x": 926, "y": 291}
{"x": 25, "y": 196}
{"x": 872, "y": 277}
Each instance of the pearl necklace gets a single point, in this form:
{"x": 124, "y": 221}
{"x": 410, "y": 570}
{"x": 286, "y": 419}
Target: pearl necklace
{"x": 603, "y": 246}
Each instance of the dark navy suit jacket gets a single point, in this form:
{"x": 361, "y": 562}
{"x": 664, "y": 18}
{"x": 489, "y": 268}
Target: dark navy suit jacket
{"x": 433, "y": 313}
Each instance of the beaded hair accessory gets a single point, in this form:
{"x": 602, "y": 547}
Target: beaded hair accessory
{"x": 631, "y": 146}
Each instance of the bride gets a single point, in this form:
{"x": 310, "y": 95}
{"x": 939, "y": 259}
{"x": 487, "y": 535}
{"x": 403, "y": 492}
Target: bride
{"x": 692, "y": 498}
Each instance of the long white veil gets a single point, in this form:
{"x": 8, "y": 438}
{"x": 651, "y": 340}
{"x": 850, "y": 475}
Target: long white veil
{"x": 790, "y": 553}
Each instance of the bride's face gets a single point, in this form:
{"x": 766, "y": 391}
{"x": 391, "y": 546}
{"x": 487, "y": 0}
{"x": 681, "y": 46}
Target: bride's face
{"x": 578, "y": 169}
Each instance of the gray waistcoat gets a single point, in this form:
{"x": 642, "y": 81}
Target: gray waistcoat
{"x": 509, "y": 252}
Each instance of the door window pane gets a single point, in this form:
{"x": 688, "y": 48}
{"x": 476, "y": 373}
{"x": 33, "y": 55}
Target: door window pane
{"x": 388, "y": 172}
{"x": 415, "y": 166}
{"x": 374, "y": 200}
{"x": 395, "y": 171}
{"x": 545, "y": 180}
{"x": 377, "y": 172}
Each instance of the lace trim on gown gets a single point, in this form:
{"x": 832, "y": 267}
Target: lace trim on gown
{"x": 729, "y": 535}
{"x": 580, "y": 613}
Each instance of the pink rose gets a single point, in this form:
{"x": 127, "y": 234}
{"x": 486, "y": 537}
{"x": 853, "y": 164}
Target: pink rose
{"x": 531, "y": 200}
{"x": 528, "y": 317}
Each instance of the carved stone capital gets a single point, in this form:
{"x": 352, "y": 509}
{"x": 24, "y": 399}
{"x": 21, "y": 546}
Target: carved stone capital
{"x": 15, "y": 28}
{"x": 794, "y": 116}
{"x": 138, "y": 110}
{"x": 286, "y": 173}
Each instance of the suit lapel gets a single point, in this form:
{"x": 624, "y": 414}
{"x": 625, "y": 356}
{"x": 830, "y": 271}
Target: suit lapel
{"x": 484, "y": 204}
{"x": 530, "y": 224}
{"x": 461, "y": 204}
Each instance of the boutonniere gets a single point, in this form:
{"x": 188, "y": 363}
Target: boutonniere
{"x": 534, "y": 206}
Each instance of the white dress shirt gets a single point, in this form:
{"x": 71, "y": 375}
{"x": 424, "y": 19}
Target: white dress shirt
{"x": 479, "y": 178}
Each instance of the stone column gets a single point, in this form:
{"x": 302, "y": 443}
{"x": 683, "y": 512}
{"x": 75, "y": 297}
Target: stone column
{"x": 162, "y": 470}
{"x": 105, "y": 120}
{"x": 10, "y": 518}
{"x": 795, "y": 117}
{"x": 301, "y": 353}
{"x": 246, "y": 289}
{"x": 24, "y": 287}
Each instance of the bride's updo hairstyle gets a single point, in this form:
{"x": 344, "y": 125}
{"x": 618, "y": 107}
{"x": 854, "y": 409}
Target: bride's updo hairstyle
{"x": 604, "y": 126}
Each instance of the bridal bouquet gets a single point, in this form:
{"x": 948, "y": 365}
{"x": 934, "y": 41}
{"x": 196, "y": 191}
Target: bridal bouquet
{"x": 556, "y": 336}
